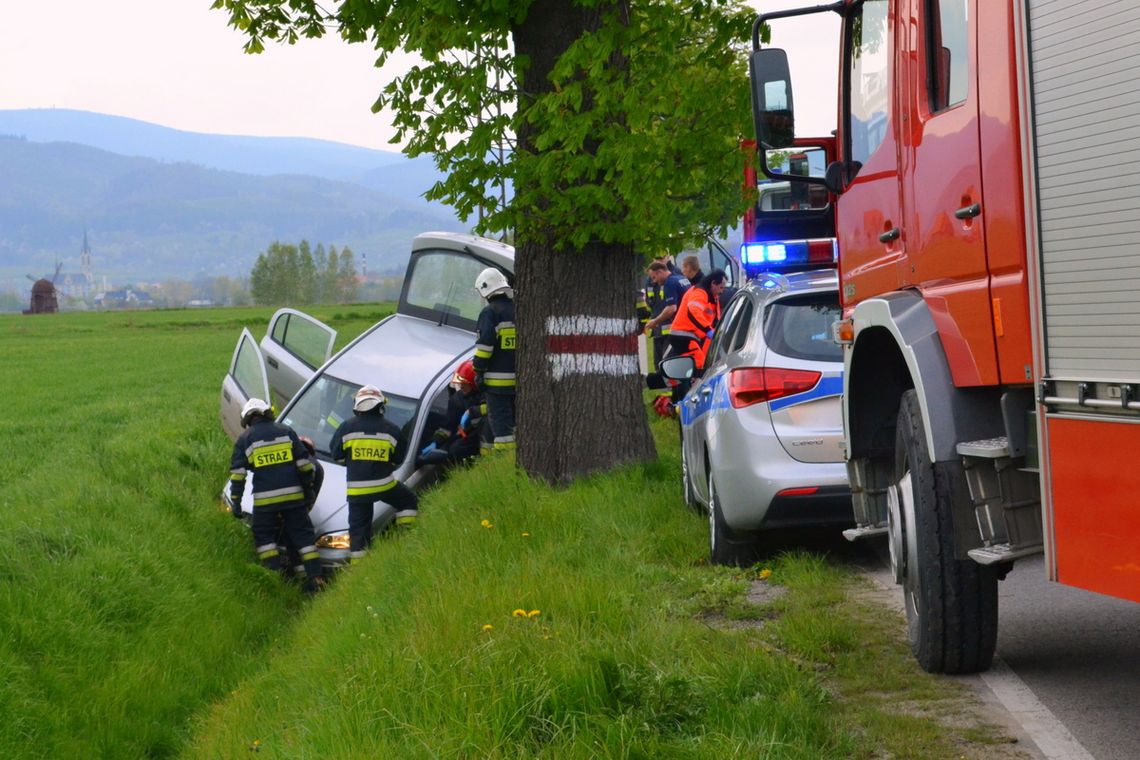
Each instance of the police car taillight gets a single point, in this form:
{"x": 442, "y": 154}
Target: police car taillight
{"x": 789, "y": 254}
{"x": 753, "y": 385}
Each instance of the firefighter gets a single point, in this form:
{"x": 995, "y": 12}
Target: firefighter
{"x": 294, "y": 566}
{"x": 282, "y": 486}
{"x": 696, "y": 320}
{"x": 457, "y": 440}
{"x": 371, "y": 448}
{"x": 494, "y": 361}
{"x": 667, "y": 289}
{"x": 691, "y": 269}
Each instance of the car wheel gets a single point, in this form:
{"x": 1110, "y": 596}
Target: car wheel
{"x": 951, "y": 604}
{"x": 726, "y": 547}
{"x": 687, "y": 481}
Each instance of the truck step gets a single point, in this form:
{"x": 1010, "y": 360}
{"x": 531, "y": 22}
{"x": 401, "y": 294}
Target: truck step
{"x": 854, "y": 534}
{"x": 987, "y": 448}
{"x": 998, "y": 553}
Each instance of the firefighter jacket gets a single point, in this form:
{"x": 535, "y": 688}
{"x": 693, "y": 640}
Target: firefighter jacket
{"x": 371, "y": 448}
{"x": 692, "y": 328}
{"x": 495, "y": 344}
{"x": 280, "y": 464}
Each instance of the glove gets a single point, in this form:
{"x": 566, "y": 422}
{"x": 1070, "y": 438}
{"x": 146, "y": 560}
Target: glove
{"x": 430, "y": 447}
{"x": 465, "y": 420}
{"x": 440, "y": 436}
{"x": 709, "y": 334}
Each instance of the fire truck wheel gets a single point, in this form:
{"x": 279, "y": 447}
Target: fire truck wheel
{"x": 726, "y": 546}
{"x": 951, "y": 605}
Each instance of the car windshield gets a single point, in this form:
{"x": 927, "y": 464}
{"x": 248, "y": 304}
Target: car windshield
{"x": 442, "y": 285}
{"x": 320, "y": 409}
{"x": 800, "y": 327}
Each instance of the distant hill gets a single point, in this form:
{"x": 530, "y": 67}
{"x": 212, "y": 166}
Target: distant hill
{"x": 148, "y": 219}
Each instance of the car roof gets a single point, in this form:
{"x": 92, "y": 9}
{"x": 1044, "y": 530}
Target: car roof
{"x": 500, "y": 254}
{"x": 401, "y": 355}
{"x": 774, "y": 285}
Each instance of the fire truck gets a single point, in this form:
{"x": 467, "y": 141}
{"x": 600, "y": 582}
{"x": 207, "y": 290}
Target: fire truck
{"x": 987, "y": 199}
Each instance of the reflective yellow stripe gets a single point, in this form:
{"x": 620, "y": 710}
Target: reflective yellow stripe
{"x": 366, "y": 490}
{"x": 310, "y": 555}
{"x": 482, "y": 354}
{"x": 238, "y": 477}
{"x": 277, "y": 499}
{"x": 267, "y": 554}
{"x": 496, "y": 383}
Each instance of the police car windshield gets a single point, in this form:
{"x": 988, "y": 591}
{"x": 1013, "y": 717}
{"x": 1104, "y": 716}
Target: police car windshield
{"x": 320, "y": 409}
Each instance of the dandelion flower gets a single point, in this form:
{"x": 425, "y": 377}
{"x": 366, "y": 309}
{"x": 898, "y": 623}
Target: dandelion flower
{"x": 519, "y": 613}
{"x": 487, "y": 524}
{"x": 534, "y": 613}
{"x": 765, "y": 573}
{"x": 525, "y": 534}
{"x": 487, "y": 627}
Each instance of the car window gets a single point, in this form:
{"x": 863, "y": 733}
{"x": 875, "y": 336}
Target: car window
{"x": 327, "y": 402}
{"x": 248, "y": 372}
{"x": 442, "y": 286}
{"x": 800, "y": 327}
{"x": 740, "y": 334}
{"x": 305, "y": 339}
{"x": 720, "y": 337}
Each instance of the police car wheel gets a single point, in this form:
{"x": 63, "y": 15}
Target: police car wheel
{"x": 726, "y": 547}
{"x": 687, "y": 481}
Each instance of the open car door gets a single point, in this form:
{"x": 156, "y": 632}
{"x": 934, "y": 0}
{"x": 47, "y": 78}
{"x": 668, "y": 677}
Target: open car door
{"x": 294, "y": 347}
{"x": 245, "y": 380}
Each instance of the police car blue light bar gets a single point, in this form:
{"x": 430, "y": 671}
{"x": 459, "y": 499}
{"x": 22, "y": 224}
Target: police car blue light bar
{"x": 790, "y": 254}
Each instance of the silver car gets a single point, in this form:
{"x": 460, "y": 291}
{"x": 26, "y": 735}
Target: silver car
{"x": 761, "y": 428}
{"x": 411, "y": 356}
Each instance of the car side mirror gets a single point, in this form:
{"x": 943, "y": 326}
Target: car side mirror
{"x": 838, "y": 175}
{"x": 678, "y": 367}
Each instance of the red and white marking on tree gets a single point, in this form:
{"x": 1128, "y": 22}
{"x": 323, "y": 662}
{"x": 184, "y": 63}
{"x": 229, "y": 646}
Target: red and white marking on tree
{"x": 582, "y": 345}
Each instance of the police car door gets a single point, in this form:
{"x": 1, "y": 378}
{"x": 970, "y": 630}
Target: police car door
{"x": 699, "y": 407}
{"x": 245, "y": 380}
{"x": 294, "y": 347}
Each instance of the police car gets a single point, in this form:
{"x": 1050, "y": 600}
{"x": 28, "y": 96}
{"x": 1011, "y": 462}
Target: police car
{"x": 761, "y": 425}
{"x": 411, "y": 356}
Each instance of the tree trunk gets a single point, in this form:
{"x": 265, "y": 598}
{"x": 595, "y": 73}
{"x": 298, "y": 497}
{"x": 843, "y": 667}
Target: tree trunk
{"x": 579, "y": 407}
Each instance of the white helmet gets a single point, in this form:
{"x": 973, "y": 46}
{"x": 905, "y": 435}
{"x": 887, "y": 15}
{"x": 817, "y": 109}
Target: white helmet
{"x": 368, "y": 398}
{"x": 491, "y": 281}
{"x": 253, "y": 407}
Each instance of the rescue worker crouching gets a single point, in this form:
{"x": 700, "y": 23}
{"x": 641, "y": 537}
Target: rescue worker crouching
{"x": 494, "y": 362}
{"x": 696, "y": 320}
{"x": 282, "y": 483}
{"x": 457, "y": 440}
{"x": 371, "y": 448}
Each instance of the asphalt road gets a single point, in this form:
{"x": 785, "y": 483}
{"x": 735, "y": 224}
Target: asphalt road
{"x": 1079, "y": 653}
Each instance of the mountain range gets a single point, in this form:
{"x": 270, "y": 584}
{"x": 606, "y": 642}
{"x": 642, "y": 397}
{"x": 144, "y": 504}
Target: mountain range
{"x": 157, "y": 202}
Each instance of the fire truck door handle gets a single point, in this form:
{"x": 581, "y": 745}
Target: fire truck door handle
{"x": 890, "y": 235}
{"x": 969, "y": 212}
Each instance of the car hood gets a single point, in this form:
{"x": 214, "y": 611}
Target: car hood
{"x": 402, "y": 355}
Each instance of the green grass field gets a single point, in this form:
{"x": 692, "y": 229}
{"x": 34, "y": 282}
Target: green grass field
{"x": 516, "y": 621}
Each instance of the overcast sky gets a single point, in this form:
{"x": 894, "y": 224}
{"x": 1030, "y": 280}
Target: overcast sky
{"x": 177, "y": 63}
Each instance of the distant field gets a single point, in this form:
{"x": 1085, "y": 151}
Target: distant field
{"x": 517, "y": 621}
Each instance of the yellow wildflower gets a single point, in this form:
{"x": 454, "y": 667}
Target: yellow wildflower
{"x": 533, "y": 613}
{"x": 525, "y": 534}
{"x": 487, "y": 627}
{"x": 487, "y": 524}
{"x": 765, "y": 573}
{"x": 519, "y": 613}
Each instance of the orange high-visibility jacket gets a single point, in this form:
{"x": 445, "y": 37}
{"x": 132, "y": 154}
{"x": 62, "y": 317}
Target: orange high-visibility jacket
{"x": 696, "y": 317}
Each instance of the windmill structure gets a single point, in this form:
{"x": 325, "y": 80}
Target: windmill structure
{"x": 45, "y": 299}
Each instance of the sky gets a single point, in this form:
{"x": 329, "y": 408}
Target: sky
{"x": 177, "y": 63}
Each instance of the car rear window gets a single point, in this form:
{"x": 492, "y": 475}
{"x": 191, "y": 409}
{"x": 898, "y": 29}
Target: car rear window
{"x": 800, "y": 327}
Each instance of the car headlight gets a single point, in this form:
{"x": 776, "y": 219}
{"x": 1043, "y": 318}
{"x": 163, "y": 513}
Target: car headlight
{"x": 333, "y": 541}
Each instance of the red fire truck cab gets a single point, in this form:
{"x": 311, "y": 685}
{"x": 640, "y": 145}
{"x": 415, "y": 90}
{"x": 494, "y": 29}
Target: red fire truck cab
{"x": 987, "y": 201}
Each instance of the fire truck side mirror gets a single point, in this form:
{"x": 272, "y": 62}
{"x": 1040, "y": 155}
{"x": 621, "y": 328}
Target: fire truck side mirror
{"x": 773, "y": 114}
{"x": 834, "y": 177}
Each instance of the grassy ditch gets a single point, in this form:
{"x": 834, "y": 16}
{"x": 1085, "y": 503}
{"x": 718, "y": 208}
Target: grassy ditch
{"x": 126, "y": 600}
{"x": 517, "y": 621}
